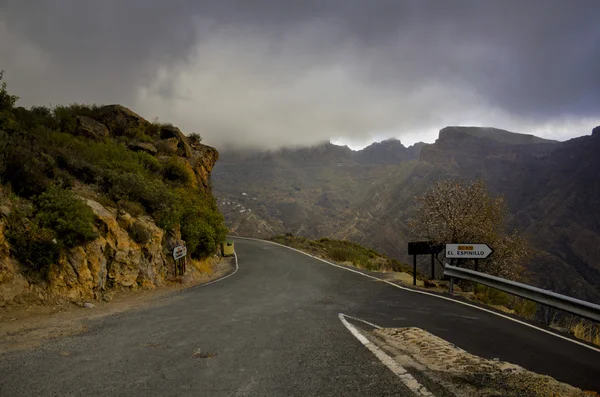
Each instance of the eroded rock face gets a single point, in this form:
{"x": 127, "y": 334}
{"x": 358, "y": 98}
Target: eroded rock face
{"x": 184, "y": 148}
{"x": 112, "y": 261}
{"x": 143, "y": 147}
{"x": 12, "y": 283}
{"x": 203, "y": 160}
{"x": 90, "y": 128}
{"x": 167, "y": 147}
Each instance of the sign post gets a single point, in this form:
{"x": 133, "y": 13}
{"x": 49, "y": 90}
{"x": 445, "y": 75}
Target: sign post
{"x": 423, "y": 248}
{"x": 179, "y": 254}
{"x": 414, "y": 270}
{"x": 468, "y": 251}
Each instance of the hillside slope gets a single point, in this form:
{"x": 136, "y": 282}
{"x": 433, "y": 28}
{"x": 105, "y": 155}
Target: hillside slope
{"x": 94, "y": 199}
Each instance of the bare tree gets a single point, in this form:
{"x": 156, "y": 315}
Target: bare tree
{"x": 452, "y": 211}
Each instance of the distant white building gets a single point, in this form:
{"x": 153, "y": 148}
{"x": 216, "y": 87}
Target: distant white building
{"x": 243, "y": 194}
{"x": 242, "y": 211}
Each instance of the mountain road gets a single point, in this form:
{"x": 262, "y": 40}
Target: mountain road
{"x": 273, "y": 329}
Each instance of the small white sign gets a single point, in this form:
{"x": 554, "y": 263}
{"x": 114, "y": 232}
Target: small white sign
{"x": 468, "y": 251}
{"x": 179, "y": 252}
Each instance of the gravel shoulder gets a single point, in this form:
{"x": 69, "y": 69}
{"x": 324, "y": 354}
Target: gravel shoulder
{"x": 451, "y": 371}
{"x": 25, "y": 327}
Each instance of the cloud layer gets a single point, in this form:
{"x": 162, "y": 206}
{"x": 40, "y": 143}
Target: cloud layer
{"x": 271, "y": 73}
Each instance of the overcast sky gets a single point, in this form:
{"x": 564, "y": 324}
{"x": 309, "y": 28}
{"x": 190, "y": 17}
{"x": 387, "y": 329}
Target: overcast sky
{"x": 268, "y": 73}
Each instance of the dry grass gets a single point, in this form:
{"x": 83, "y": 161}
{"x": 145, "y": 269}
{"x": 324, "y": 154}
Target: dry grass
{"x": 586, "y": 330}
{"x": 204, "y": 266}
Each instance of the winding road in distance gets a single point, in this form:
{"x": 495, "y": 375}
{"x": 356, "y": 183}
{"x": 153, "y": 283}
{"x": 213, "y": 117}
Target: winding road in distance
{"x": 272, "y": 329}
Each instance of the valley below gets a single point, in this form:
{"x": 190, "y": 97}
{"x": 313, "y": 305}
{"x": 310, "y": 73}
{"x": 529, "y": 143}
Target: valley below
{"x": 368, "y": 196}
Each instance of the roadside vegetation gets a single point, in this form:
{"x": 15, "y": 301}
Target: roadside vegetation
{"x": 455, "y": 211}
{"x": 584, "y": 329}
{"x": 503, "y": 301}
{"x": 44, "y": 166}
{"x": 345, "y": 252}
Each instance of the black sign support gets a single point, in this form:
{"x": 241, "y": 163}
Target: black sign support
{"x": 415, "y": 269}
{"x": 424, "y": 248}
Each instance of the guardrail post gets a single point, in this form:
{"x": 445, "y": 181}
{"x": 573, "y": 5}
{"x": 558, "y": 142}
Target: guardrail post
{"x": 451, "y": 289}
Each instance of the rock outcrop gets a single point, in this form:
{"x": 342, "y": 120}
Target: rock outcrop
{"x": 90, "y": 128}
{"x": 183, "y": 145}
{"x": 202, "y": 161}
{"x": 118, "y": 119}
{"x": 116, "y": 259}
{"x": 112, "y": 261}
{"x": 470, "y": 144}
{"x": 143, "y": 147}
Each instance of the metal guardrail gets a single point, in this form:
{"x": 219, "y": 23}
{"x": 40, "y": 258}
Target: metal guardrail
{"x": 579, "y": 307}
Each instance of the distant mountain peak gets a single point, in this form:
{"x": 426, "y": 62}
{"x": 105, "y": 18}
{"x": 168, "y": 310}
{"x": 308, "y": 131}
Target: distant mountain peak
{"x": 495, "y": 134}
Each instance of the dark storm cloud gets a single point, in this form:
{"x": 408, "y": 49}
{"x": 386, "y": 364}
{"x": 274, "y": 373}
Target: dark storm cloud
{"x": 269, "y": 72}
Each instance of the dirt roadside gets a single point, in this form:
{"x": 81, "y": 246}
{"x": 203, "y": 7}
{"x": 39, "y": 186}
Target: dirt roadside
{"x": 24, "y": 327}
{"x": 454, "y": 372}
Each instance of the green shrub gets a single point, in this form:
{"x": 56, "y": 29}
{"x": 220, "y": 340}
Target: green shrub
{"x": 199, "y": 236}
{"x": 138, "y": 134}
{"x": 345, "y": 251}
{"x": 176, "y": 171}
{"x": 66, "y": 116}
{"x": 8, "y": 122}
{"x": 491, "y": 296}
{"x": 35, "y": 117}
{"x": 132, "y": 208}
{"x": 149, "y": 162}
{"x": 153, "y": 129}
{"x": 523, "y": 307}
{"x": 202, "y": 225}
{"x": 67, "y": 215}
{"x": 33, "y": 246}
{"x": 139, "y": 233}
{"x": 194, "y": 138}
{"x": 25, "y": 166}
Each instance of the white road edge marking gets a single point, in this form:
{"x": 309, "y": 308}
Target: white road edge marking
{"x": 398, "y": 370}
{"x": 427, "y": 293}
{"x": 223, "y": 278}
{"x": 362, "y": 321}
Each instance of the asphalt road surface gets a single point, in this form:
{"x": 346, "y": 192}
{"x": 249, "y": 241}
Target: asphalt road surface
{"x": 272, "y": 329}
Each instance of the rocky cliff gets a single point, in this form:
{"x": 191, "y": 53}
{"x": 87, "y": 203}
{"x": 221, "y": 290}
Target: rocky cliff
{"x": 118, "y": 258}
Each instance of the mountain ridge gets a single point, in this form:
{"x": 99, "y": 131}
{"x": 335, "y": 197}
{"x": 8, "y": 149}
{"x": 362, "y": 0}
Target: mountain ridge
{"x": 371, "y": 202}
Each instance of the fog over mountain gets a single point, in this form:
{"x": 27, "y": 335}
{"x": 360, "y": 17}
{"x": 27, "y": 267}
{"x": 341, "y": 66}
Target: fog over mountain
{"x": 269, "y": 73}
